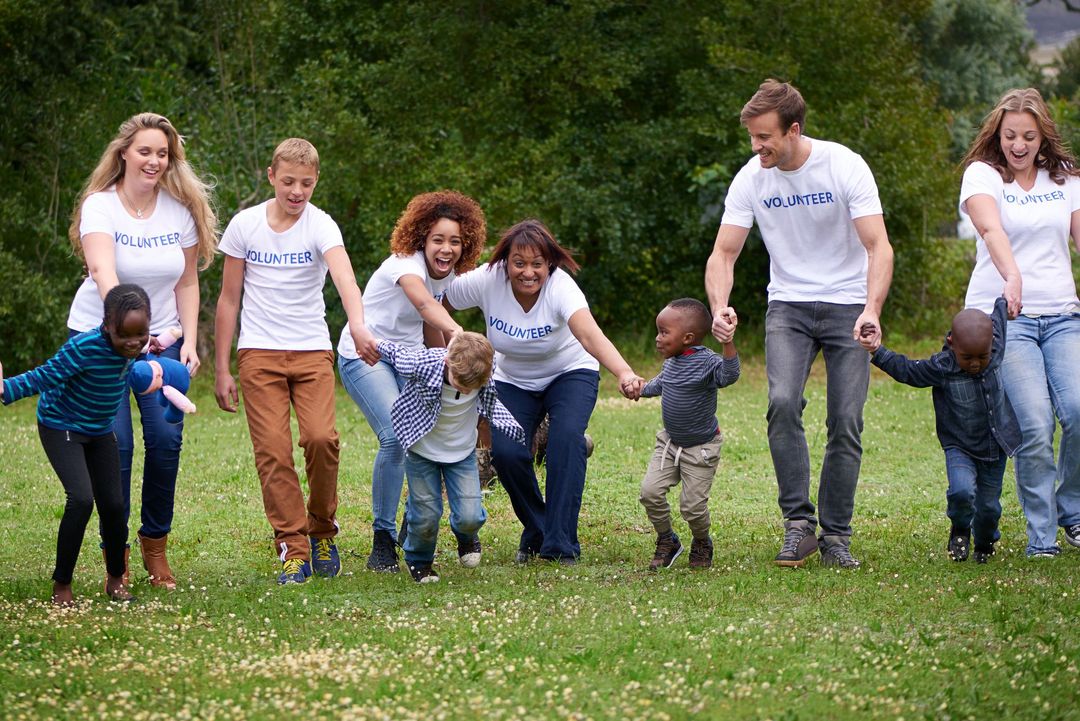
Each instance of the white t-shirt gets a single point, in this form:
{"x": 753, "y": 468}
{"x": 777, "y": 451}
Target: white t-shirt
{"x": 149, "y": 253}
{"x": 1037, "y": 222}
{"x": 454, "y": 436}
{"x": 388, "y": 312}
{"x": 284, "y": 274}
{"x": 805, "y": 217}
{"x": 534, "y": 348}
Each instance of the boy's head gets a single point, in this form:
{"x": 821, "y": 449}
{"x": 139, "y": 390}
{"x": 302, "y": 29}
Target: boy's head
{"x": 293, "y": 172}
{"x": 681, "y": 324}
{"x": 971, "y": 339}
{"x": 468, "y": 361}
{"x": 127, "y": 319}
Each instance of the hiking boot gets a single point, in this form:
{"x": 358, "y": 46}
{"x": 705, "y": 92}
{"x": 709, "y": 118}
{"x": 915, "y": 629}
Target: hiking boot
{"x": 325, "y": 560}
{"x": 1072, "y": 534}
{"x": 468, "y": 552}
{"x": 294, "y": 570}
{"x": 799, "y": 544}
{"x": 668, "y": 549}
{"x": 484, "y": 469}
{"x": 982, "y": 555}
{"x": 423, "y": 573}
{"x": 701, "y": 553}
{"x": 383, "y": 556}
{"x": 836, "y": 554}
{"x": 959, "y": 540}
{"x": 523, "y": 556}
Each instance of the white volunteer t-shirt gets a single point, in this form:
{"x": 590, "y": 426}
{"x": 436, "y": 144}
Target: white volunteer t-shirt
{"x": 805, "y": 217}
{"x": 531, "y": 349}
{"x": 1037, "y": 222}
{"x": 284, "y": 274}
{"x": 149, "y": 253}
{"x": 454, "y": 436}
{"x": 388, "y": 312}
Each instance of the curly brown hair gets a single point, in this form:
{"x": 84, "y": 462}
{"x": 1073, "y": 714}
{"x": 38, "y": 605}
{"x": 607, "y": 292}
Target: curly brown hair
{"x": 426, "y": 209}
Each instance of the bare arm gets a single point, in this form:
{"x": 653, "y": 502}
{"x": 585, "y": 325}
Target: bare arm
{"x": 1074, "y": 228}
{"x": 719, "y": 277}
{"x": 592, "y": 339}
{"x": 986, "y": 218}
{"x": 341, "y": 272}
{"x": 872, "y": 234}
{"x": 228, "y": 305}
{"x": 99, "y": 252}
{"x": 431, "y": 310}
{"x": 187, "y": 305}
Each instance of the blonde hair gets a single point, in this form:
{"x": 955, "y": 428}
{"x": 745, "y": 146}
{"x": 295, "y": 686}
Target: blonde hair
{"x": 469, "y": 358}
{"x": 295, "y": 150}
{"x": 1054, "y": 155}
{"x": 179, "y": 180}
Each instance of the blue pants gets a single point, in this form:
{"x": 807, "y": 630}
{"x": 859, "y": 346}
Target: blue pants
{"x": 974, "y": 495}
{"x": 550, "y": 521}
{"x": 424, "y": 506}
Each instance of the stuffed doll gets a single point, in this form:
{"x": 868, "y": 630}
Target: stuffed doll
{"x": 168, "y": 378}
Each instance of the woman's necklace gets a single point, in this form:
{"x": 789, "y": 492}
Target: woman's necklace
{"x": 138, "y": 211}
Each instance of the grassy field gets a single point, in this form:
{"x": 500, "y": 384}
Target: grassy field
{"x": 910, "y": 635}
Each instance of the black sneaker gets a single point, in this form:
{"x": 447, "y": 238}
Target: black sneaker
{"x": 523, "y": 556}
{"x": 982, "y": 555}
{"x": 959, "y": 541}
{"x": 799, "y": 544}
{"x": 423, "y": 573}
{"x": 668, "y": 549}
{"x": 701, "y": 553}
{"x": 468, "y": 552}
{"x": 1072, "y": 534}
{"x": 835, "y": 553}
{"x": 383, "y": 556}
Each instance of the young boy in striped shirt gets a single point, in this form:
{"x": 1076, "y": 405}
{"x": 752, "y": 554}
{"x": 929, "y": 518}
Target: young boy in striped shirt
{"x": 688, "y": 446}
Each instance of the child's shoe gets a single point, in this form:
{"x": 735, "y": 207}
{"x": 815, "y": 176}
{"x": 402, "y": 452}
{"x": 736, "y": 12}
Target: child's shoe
{"x": 468, "y": 552}
{"x": 118, "y": 591}
{"x": 383, "y": 553}
{"x": 325, "y": 560}
{"x": 294, "y": 570}
{"x": 1072, "y": 534}
{"x": 423, "y": 573}
{"x": 701, "y": 553}
{"x": 982, "y": 555}
{"x": 959, "y": 541}
{"x": 668, "y": 548}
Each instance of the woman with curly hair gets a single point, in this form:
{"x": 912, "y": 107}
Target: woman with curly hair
{"x": 145, "y": 217}
{"x": 438, "y": 236}
{"x": 1021, "y": 189}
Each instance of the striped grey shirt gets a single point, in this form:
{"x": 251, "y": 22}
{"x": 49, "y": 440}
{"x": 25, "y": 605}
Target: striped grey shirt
{"x": 687, "y": 385}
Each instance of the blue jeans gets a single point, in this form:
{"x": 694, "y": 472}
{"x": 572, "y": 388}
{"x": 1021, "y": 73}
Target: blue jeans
{"x": 550, "y": 521}
{"x": 974, "y": 495}
{"x": 161, "y": 463}
{"x": 374, "y": 389}
{"x": 1042, "y": 382}
{"x": 794, "y": 334}
{"x": 424, "y": 505}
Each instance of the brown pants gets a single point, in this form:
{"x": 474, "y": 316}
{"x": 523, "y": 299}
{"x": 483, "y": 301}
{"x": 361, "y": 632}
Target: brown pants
{"x": 270, "y": 380}
{"x": 695, "y": 466}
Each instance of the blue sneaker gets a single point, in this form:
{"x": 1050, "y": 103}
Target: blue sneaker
{"x": 294, "y": 570}
{"x": 325, "y": 560}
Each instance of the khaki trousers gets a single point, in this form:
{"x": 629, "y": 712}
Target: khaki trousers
{"x": 695, "y": 467}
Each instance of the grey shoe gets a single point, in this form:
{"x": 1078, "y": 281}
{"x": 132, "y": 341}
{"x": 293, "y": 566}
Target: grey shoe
{"x": 799, "y": 544}
{"x": 835, "y": 553}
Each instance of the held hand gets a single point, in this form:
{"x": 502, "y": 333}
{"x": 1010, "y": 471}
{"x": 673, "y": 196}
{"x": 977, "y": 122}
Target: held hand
{"x": 630, "y": 385}
{"x": 367, "y": 347}
{"x": 867, "y": 331}
{"x": 724, "y": 323}
{"x": 225, "y": 392}
{"x": 189, "y": 356}
{"x": 1013, "y": 292}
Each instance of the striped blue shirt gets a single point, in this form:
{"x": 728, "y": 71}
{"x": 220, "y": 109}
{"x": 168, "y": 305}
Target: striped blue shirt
{"x": 687, "y": 386}
{"x": 81, "y": 386}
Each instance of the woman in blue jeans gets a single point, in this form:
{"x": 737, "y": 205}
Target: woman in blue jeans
{"x": 1021, "y": 189}
{"x": 438, "y": 235}
{"x": 548, "y": 352}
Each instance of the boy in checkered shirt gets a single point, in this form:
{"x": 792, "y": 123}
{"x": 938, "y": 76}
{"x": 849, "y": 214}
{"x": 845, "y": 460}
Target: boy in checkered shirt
{"x": 434, "y": 419}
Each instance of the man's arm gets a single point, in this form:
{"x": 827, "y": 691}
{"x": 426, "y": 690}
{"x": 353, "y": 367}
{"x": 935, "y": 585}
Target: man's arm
{"x": 719, "y": 277}
{"x": 872, "y": 234}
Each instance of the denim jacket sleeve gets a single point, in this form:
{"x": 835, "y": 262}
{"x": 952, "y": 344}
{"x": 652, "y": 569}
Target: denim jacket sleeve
{"x": 916, "y": 373}
{"x": 999, "y": 318}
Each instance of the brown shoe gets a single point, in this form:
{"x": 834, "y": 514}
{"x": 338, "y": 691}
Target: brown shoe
{"x": 155, "y": 563}
{"x": 668, "y": 549}
{"x": 127, "y": 568}
{"x": 701, "y": 553}
{"x": 117, "y": 591}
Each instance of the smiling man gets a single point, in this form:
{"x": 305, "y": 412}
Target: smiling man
{"x": 817, "y": 207}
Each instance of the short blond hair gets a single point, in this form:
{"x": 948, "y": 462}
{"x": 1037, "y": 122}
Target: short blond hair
{"x": 470, "y": 358}
{"x": 298, "y": 151}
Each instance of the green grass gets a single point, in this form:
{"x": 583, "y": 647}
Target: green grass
{"x": 909, "y": 635}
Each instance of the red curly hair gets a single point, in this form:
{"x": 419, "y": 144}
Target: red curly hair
{"x": 426, "y": 209}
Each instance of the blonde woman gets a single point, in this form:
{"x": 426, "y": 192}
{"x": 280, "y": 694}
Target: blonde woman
{"x": 145, "y": 217}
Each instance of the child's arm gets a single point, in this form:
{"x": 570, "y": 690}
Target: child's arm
{"x": 405, "y": 362}
{"x": 999, "y": 317}
{"x": 498, "y": 415}
{"x": 654, "y": 387}
{"x": 341, "y": 272}
{"x": 66, "y": 364}
{"x": 915, "y": 373}
{"x": 228, "y": 305}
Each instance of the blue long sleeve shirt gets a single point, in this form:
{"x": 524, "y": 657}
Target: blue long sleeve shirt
{"x": 81, "y": 387}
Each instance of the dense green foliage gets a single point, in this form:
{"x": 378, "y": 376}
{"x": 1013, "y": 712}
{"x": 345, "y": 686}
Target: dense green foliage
{"x": 615, "y": 122}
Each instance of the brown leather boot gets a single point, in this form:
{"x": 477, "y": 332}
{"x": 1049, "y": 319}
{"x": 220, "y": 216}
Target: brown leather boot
{"x": 127, "y": 575}
{"x": 155, "y": 563}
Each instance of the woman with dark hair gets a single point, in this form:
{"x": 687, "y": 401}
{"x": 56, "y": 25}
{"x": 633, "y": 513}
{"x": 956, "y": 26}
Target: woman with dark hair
{"x": 548, "y": 352}
{"x": 1021, "y": 189}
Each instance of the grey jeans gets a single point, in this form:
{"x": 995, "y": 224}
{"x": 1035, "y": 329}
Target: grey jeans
{"x": 794, "y": 334}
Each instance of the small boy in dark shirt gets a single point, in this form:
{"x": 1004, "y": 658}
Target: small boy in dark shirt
{"x": 976, "y": 424}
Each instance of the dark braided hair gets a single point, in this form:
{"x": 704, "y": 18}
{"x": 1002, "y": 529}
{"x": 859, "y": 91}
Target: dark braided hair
{"x": 697, "y": 313}
{"x": 121, "y": 300}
